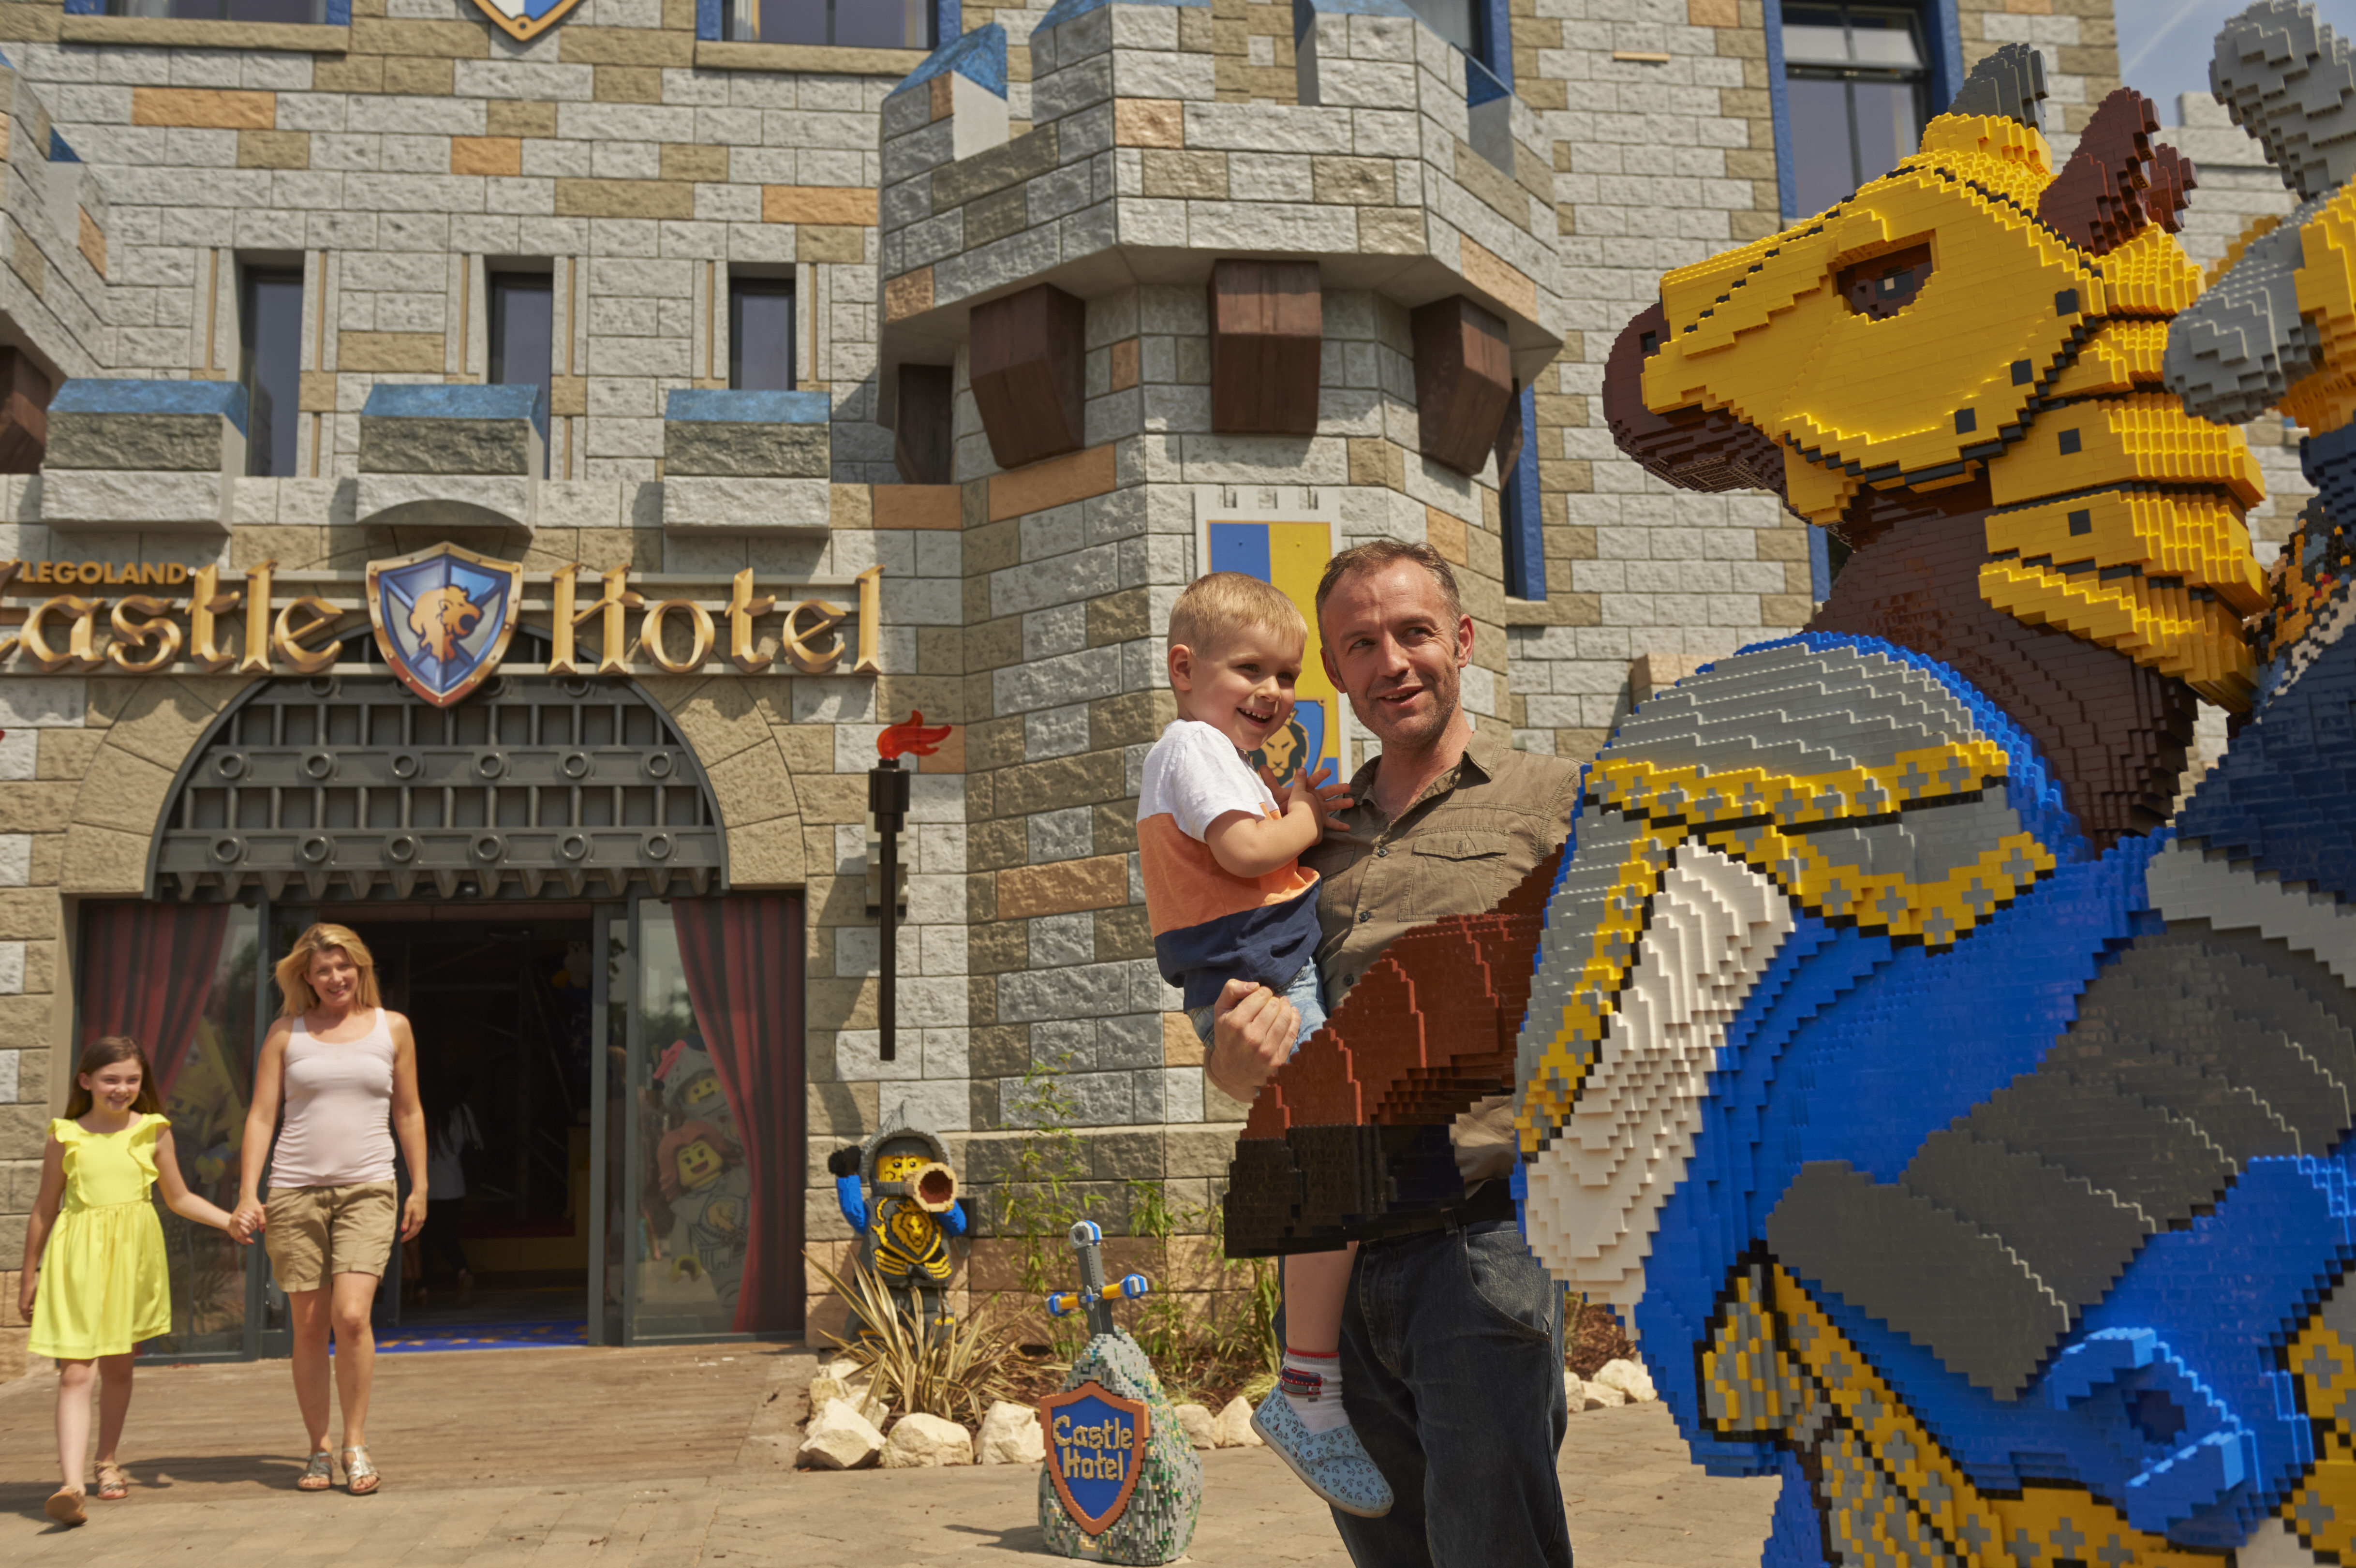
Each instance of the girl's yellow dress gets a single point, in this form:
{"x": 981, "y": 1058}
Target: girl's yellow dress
{"x": 105, "y": 1284}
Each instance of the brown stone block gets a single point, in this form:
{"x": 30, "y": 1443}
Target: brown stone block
{"x": 485, "y": 156}
{"x": 995, "y": 217}
{"x": 626, "y": 83}
{"x": 584, "y": 45}
{"x": 1391, "y": 232}
{"x": 125, "y": 793}
{"x": 1121, "y": 370}
{"x": 98, "y": 860}
{"x": 1267, "y": 333}
{"x": 1100, "y": 882}
{"x": 1570, "y": 544}
{"x": 1179, "y": 176}
{"x": 1123, "y": 934}
{"x": 1444, "y": 534}
{"x": 1353, "y": 182}
{"x": 694, "y": 162}
{"x": 1149, "y": 123}
{"x": 924, "y": 431}
{"x": 1120, "y": 617}
{"x": 997, "y": 846}
{"x": 1181, "y": 1046}
{"x": 1060, "y": 782}
{"x": 1132, "y": 719}
{"x": 910, "y": 293}
{"x": 815, "y": 244}
{"x": 1027, "y": 367}
{"x": 1711, "y": 14}
{"x": 1001, "y": 947}
{"x": 623, "y": 199}
{"x": 1485, "y": 270}
{"x": 379, "y": 351}
{"x": 766, "y": 855}
{"x": 1375, "y": 460}
{"x": 29, "y": 24}
{"x": 353, "y": 73}
{"x": 832, "y": 797}
{"x": 65, "y": 753}
{"x": 836, "y": 206}
{"x": 568, "y": 396}
{"x": 274, "y": 149}
{"x": 505, "y": 117}
{"x": 994, "y": 644}
{"x": 1058, "y": 482}
{"x": 208, "y": 108}
{"x": 1785, "y": 609}
{"x": 916, "y": 506}
{"x": 421, "y": 76}
{"x": 1463, "y": 380}
{"x": 446, "y": 40}
{"x": 1115, "y": 826}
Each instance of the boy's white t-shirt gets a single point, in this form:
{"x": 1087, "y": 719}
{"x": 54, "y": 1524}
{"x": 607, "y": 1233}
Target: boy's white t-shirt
{"x": 1209, "y": 924}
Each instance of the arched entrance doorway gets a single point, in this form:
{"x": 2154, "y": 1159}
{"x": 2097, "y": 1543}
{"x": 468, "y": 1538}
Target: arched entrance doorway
{"x": 608, "y": 1042}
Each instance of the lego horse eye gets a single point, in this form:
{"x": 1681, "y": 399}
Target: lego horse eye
{"x": 1881, "y": 286}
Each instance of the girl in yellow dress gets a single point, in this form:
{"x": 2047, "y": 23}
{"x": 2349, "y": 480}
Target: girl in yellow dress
{"x": 106, "y": 1285}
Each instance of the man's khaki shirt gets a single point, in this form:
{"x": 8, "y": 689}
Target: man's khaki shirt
{"x": 1460, "y": 848}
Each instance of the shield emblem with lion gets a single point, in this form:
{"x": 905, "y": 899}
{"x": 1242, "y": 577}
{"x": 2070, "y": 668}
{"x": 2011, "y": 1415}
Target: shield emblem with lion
{"x": 443, "y": 618}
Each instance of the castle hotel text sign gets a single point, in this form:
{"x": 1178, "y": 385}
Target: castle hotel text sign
{"x": 443, "y": 620}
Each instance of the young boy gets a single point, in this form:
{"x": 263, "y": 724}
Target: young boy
{"x": 1228, "y": 899}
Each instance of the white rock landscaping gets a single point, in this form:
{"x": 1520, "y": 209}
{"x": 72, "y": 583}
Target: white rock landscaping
{"x": 920, "y": 1441}
{"x": 839, "y": 1438}
{"x": 1011, "y": 1436}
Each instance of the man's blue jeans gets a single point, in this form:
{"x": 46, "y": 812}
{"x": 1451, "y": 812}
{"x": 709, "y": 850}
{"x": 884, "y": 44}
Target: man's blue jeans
{"x": 1451, "y": 1370}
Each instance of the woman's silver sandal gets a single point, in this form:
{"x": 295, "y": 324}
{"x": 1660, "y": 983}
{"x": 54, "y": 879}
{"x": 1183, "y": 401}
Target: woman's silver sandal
{"x": 319, "y": 1474}
{"x": 360, "y": 1476}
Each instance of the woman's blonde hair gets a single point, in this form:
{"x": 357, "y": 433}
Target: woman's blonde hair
{"x": 294, "y": 971}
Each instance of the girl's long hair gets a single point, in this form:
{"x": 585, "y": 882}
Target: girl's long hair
{"x": 292, "y": 971}
{"x": 105, "y": 1051}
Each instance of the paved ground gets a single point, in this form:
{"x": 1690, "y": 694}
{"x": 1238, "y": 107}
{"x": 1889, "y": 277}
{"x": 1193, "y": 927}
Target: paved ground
{"x": 679, "y": 1456}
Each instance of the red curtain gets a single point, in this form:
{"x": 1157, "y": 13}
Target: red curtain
{"x": 742, "y": 958}
{"x": 146, "y": 971}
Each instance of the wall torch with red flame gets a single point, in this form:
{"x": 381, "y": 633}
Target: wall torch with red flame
{"x": 887, "y": 801}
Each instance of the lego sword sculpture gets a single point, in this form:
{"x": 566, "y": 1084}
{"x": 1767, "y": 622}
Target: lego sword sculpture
{"x": 1123, "y": 1483}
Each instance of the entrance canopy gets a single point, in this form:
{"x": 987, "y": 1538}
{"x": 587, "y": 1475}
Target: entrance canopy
{"x": 349, "y": 787}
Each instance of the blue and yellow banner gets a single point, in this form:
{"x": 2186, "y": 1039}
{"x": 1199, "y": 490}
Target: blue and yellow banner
{"x": 1291, "y": 556}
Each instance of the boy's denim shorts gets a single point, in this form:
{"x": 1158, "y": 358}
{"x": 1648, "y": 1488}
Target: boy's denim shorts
{"x": 1303, "y": 991}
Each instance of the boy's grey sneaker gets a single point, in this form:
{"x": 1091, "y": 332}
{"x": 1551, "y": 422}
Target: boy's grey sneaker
{"x": 1333, "y": 1463}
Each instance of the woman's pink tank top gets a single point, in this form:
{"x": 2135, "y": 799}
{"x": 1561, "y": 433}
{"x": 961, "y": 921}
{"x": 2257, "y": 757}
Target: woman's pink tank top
{"x": 336, "y": 1128}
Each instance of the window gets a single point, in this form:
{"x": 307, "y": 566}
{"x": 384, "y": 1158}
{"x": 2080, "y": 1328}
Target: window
{"x": 270, "y": 365}
{"x": 1458, "y": 21}
{"x": 308, "y": 11}
{"x": 854, "y": 23}
{"x": 523, "y": 337}
{"x": 1856, "y": 85}
{"x": 760, "y": 334}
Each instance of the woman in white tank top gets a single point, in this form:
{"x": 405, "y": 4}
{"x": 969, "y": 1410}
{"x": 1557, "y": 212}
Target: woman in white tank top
{"x": 345, "y": 1071}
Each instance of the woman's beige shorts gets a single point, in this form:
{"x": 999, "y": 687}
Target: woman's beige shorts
{"x": 315, "y": 1231}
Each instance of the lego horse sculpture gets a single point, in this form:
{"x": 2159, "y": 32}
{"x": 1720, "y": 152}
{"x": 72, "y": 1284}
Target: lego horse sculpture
{"x": 1967, "y": 1148}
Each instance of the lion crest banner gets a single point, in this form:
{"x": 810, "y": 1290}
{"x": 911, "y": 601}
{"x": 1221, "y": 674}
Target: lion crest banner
{"x": 443, "y": 618}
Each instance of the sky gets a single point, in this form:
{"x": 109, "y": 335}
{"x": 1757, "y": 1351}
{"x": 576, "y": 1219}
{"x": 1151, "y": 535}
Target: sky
{"x": 2164, "y": 45}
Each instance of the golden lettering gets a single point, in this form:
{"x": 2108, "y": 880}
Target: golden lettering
{"x": 204, "y": 609}
{"x": 805, "y": 658}
{"x": 1063, "y": 1429}
{"x": 871, "y": 622}
{"x": 175, "y": 574}
{"x": 77, "y": 655}
{"x": 132, "y": 635}
{"x": 255, "y": 659}
{"x": 8, "y": 570}
{"x": 742, "y": 609}
{"x": 699, "y": 648}
{"x": 287, "y": 637}
{"x": 613, "y": 630}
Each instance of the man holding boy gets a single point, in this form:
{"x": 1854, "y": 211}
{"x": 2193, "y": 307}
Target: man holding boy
{"x": 1451, "y": 1339}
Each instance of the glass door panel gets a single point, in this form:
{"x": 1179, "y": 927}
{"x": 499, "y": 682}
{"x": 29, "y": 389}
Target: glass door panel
{"x": 689, "y": 1182}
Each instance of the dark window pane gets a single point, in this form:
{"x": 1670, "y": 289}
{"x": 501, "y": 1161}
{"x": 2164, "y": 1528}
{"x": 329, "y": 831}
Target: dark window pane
{"x": 792, "y": 21}
{"x": 1887, "y": 127}
{"x": 760, "y": 334}
{"x": 523, "y": 316}
{"x": 270, "y": 328}
{"x": 879, "y": 24}
{"x": 275, "y": 11}
{"x": 1821, "y": 168}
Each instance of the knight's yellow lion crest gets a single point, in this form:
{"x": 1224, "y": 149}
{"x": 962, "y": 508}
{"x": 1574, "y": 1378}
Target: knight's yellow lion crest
{"x": 441, "y": 616}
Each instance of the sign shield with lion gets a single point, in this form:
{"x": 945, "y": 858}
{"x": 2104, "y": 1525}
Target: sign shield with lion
{"x": 443, "y": 618}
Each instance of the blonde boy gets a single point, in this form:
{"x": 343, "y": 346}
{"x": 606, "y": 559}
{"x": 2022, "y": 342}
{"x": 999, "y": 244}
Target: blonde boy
{"x": 1228, "y": 899}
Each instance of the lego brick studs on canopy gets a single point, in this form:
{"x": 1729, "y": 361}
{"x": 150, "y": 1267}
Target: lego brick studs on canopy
{"x": 1267, "y": 331}
{"x": 1028, "y": 375}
